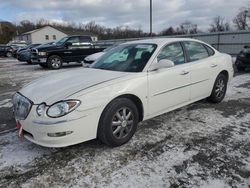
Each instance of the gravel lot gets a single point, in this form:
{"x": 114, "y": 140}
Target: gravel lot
{"x": 201, "y": 145}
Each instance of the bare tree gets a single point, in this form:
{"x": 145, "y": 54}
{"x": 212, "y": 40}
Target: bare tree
{"x": 242, "y": 19}
{"x": 219, "y": 24}
{"x": 168, "y": 31}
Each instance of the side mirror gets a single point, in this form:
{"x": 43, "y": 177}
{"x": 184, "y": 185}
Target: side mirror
{"x": 67, "y": 44}
{"x": 164, "y": 63}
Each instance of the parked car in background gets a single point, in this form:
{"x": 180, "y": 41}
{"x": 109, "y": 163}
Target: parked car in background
{"x": 68, "y": 49}
{"x": 6, "y": 51}
{"x": 132, "y": 82}
{"x": 93, "y": 57}
{"x": 24, "y": 54}
{"x": 243, "y": 59}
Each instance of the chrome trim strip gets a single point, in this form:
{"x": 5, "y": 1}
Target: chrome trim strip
{"x": 160, "y": 93}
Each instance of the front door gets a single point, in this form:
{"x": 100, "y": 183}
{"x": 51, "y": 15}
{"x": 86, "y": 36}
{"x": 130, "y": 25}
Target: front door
{"x": 169, "y": 87}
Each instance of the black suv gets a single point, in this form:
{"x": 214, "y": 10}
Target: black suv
{"x": 243, "y": 59}
{"x": 6, "y": 51}
{"x": 68, "y": 49}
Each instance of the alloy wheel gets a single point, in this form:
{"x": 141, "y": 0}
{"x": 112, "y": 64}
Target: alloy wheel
{"x": 122, "y": 123}
{"x": 56, "y": 63}
{"x": 220, "y": 88}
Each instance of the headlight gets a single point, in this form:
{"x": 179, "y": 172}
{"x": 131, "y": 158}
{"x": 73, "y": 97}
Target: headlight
{"x": 40, "y": 109}
{"x": 22, "y": 106}
{"x": 42, "y": 53}
{"x": 62, "y": 108}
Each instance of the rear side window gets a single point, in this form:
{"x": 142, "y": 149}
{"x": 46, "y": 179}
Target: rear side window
{"x": 195, "y": 51}
{"x": 210, "y": 50}
{"x": 173, "y": 52}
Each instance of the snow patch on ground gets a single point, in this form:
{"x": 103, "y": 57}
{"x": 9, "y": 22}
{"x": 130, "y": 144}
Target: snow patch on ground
{"x": 235, "y": 88}
{"x": 6, "y": 103}
{"x": 18, "y": 152}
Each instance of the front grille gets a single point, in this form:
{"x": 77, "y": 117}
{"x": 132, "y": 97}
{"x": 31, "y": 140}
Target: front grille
{"x": 22, "y": 106}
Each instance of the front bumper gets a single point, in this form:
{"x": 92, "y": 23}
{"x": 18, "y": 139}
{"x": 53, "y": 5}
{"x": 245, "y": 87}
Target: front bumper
{"x": 23, "y": 58}
{"x": 82, "y": 126}
{"x": 243, "y": 61}
{"x": 39, "y": 60}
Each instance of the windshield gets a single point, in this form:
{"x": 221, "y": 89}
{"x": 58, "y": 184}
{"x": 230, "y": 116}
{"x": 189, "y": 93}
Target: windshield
{"x": 109, "y": 48}
{"x": 60, "y": 42}
{"x": 126, "y": 58}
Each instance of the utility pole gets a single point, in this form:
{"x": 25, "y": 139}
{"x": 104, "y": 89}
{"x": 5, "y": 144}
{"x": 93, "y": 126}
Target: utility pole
{"x": 150, "y": 17}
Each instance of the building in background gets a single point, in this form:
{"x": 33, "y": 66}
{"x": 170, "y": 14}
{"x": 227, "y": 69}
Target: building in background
{"x": 48, "y": 34}
{"x": 42, "y": 35}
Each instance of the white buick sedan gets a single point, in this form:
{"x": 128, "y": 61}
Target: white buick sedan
{"x": 132, "y": 82}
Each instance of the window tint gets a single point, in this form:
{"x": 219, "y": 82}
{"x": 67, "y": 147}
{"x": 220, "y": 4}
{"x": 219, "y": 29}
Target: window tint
{"x": 196, "y": 51}
{"x": 172, "y": 52}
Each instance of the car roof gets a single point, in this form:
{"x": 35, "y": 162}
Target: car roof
{"x": 162, "y": 41}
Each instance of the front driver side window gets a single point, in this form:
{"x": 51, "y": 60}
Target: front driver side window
{"x": 173, "y": 52}
{"x": 74, "y": 41}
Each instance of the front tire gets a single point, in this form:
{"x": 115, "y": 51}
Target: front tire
{"x": 219, "y": 89}
{"x": 118, "y": 122}
{"x": 54, "y": 62}
{"x": 9, "y": 54}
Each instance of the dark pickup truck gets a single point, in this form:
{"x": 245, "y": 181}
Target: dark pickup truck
{"x": 68, "y": 49}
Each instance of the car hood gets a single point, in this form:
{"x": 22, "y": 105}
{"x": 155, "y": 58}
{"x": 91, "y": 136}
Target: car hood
{"x": 48, "y": 47}
{"x": 55, "y": 87}
{"x": 94, "y": 56}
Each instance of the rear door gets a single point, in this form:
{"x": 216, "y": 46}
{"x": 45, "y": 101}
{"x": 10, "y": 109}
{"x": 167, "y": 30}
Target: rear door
{"x": 200, "y": 69}
{"x": 169, "y": 87}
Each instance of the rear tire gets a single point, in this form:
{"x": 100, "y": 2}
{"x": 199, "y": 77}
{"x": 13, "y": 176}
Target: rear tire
{"x": 54, "y": 62}
{"x": 219, "y": 89}
{"x": 118, "y": 122}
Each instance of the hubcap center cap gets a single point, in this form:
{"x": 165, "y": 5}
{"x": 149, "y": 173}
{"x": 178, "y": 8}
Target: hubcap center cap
{"x": 124, "y": 123}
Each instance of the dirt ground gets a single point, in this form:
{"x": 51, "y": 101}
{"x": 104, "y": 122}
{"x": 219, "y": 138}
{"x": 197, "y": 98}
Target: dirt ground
{"x": 200, "y": 145}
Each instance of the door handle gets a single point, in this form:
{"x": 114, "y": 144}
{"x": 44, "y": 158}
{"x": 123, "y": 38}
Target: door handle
{"x": 184, "y": 72}
{"x": 67, "y": 52}
{"x": 214, "y": 65}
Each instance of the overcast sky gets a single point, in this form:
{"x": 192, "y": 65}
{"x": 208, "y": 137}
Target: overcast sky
{"x": 112, "y": 13}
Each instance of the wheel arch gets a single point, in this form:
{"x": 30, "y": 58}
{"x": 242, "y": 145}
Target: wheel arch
{"x": 225, "y": 72}
{"x": 135, "y": 99}
{"x": 54, "y": 54}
